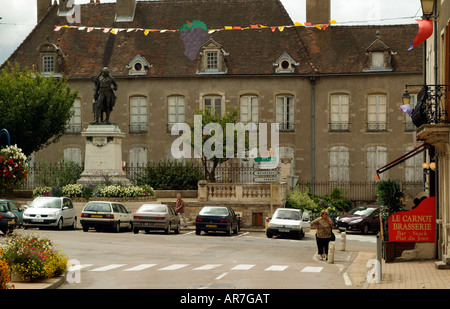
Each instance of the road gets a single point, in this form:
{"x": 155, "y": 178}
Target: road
{"x": 249, "y": 260}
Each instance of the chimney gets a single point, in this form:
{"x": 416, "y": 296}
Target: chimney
{"x": 125, "y": 10}
{"x": 64, "y": 9}
{"x": 42, "y": 8}
{"x": 318, "y": 11}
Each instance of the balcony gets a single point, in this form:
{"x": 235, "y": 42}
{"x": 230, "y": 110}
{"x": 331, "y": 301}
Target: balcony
{"x": 431, "y": 105}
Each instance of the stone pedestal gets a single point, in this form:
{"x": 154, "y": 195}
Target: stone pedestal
{"x": 103, "y": 155}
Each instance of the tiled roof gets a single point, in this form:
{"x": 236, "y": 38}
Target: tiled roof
{"x": 342, "y": 49}
{"x": 337, "y": 49}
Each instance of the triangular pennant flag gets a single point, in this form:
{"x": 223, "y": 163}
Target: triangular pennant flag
{"x": 106, "y": 30}
{"x": 114, "y": 31}
{"x": 333, "y": 22}
{"x": 273, "y": 28}
{"x": 146, "y": 31}
{"x": 254, "y": 26}
{"x": 425, "y": 31}
{"x": 228, "y": 28}
{"x": 57, "y": 28}
{"x": 297, "y": 24}
{"x": 281, "y": 28}
{"x": 89, "y": 29}
{"x": 318, "y": 26}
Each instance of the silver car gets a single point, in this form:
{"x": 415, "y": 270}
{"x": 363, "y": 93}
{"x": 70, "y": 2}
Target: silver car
{"x": 156, "y": 217}
{"x": 47, "y": 211}
{"x": 105, "y": 215}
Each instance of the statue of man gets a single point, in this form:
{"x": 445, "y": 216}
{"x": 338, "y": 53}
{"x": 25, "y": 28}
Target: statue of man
{"x": 104, "y": 97}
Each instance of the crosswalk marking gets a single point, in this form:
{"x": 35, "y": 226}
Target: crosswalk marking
{"x": 140, "y": 267}
{"x": 208, "y": 267}
{"x": 108, "y": 267}
{"x": 174, "y": 267}
{"x": 276, "y": 268}
{"x": 243, "y": 267}
{"x": 310, "y": 269}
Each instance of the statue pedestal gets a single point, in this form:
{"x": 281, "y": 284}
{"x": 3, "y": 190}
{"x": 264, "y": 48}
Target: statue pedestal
{"x": 103, "y": 156}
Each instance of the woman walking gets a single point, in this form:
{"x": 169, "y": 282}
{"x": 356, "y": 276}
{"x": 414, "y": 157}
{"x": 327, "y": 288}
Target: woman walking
{"x": 323, "y": 227}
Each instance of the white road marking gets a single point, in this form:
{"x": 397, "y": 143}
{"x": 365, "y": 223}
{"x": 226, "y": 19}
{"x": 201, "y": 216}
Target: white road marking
{"x": 174, "y": 267}
{"x": 78, "y": 267}
{"x": 276, "y": 268}
{"x": 108, "y": 267}
{"x": 243, "y": 267}
{"x": 221, "y": 276}
{"x": 140, "y": 267}
{"x": 310, "y": 269}
{"x": 347, "y": 279}
{"x": 207, "y": 267}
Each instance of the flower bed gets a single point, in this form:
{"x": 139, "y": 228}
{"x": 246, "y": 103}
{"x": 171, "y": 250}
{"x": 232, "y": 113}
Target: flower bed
{"x": 33, "y": 257}
{"x": 87, "y": 191}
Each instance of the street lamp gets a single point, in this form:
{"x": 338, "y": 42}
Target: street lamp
{"x": 427, "y": 7}
{"x": 406, "y": 97}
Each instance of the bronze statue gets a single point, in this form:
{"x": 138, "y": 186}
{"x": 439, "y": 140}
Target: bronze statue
{"x": 104, "y": 97}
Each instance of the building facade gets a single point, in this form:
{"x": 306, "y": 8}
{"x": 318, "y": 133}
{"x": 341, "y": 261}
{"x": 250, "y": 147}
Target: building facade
{"x": 335, "y": 93}
{"x": 435, "y": 130}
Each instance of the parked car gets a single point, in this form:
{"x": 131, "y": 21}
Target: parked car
{"x": 8, "y": 220}
{"x": 46, "y": 211}
{"x": 156, "y": 217}
{"x": 217, "y": 218}
{"x": 289, "y": 222}
{"x": 14, "y": 208}
{"x": 361, "y": 218}
{"x": 105, "y": 215}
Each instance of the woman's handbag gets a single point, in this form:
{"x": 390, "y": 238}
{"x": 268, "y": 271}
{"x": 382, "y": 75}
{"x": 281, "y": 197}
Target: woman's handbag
{"x": 333, "y": 237}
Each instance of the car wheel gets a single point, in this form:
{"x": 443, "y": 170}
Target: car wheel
{"x": 85, "y": 228}
{"x": 74, "y": 224}
{"x": 365, "y": 229}
{"x": 301, "y": 234}
{"x": 117, "y": 227}
{"x": 269, "y": 234}
{"x": 235, "y": 231}
{"x": 136, "y": 231}
{"x": 229, "y": 231}
{"x": 168, "y": 229}
{"x": 177, "y": 231}
{"x": 60, "y": 224}
{"x": 198, "y": 231}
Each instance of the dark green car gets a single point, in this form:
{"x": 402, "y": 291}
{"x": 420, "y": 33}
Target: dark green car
{"x": 15, "y": 209}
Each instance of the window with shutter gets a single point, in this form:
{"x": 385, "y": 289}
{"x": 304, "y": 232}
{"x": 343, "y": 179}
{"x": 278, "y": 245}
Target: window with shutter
{"x": 214, "y": 103}
{"x": 74, "y": 124}
{"x": 339, "y": 112}
{"x": 249, "y": 109}
{"x": 176, "y": 110}
{"x": 285, "y": 113}
{"x": 376, "y": 113}
{"x": 138, "y": 114}
{"x": 376, "y": 158}
{"x": 339, "y": 163}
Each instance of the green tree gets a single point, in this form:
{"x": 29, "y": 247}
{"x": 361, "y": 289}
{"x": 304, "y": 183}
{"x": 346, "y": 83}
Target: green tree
{"x": 219, "y": 147}
{"x": 34, "y": 109}
{"x": 390, "y": 194}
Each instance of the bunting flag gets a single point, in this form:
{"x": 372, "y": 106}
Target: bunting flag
{"x": 225, "y": 28}
{"x": 406, "y": 109}
{"x": 425, "y": 31}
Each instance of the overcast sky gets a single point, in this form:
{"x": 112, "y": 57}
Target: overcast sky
{"x": 19, "y": 16}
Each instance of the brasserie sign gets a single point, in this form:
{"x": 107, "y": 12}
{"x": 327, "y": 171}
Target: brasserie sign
{"x": 416, "y": 225}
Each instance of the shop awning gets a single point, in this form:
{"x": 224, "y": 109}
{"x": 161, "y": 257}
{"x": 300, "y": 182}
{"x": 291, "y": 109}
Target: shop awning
{"x": 401, "y": 159}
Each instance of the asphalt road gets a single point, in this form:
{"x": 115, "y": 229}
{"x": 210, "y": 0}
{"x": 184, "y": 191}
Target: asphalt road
{"x": 249, "y": 260}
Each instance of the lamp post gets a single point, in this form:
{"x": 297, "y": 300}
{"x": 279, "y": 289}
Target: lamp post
{"x": 427, "y": 7}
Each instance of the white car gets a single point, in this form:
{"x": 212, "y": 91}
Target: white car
{"x": 46, "y": 211}
{"x": 289, "y": 221}
{"x": 105, "y": 215}
{"x": 156, "y": 217}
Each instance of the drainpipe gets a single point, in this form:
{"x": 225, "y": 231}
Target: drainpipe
{"x": 313, "y": 138}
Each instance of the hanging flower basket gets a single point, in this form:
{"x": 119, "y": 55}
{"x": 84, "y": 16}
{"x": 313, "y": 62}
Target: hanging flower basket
{"x": 13, "y": 168}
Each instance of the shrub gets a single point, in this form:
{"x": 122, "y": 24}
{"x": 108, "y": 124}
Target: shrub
{"x": 33, "y": 257}
{"x": 301, "y": 200}
{"x": 13, "y": 168}
{"x": 86, "y": 191}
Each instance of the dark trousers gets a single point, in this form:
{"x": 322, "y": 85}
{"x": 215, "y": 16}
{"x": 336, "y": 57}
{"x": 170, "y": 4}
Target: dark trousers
{"x": 322, "y": 245}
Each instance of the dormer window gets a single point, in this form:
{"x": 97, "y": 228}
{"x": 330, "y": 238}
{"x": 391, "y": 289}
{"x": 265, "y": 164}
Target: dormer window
{"x": 285, "y": 64}
{"x": 50, "y": 59}
{"x": 213, "y": 59}
{"x": 138, "y": 66}
{"x": 379, "y": 56}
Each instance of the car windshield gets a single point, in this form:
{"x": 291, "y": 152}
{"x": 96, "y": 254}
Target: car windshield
{"x": 99, "y": 207}
{"x": 152, "y": 208}
{"x": 4, "y": 206}
{"x": 362, "y": 211}
{"x": 287, "y": 214}
{"x": 42, "y": 202}
{"x": 208, "y": 210}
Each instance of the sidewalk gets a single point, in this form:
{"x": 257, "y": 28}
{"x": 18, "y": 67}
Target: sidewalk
{"x": 399, "y": 275}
